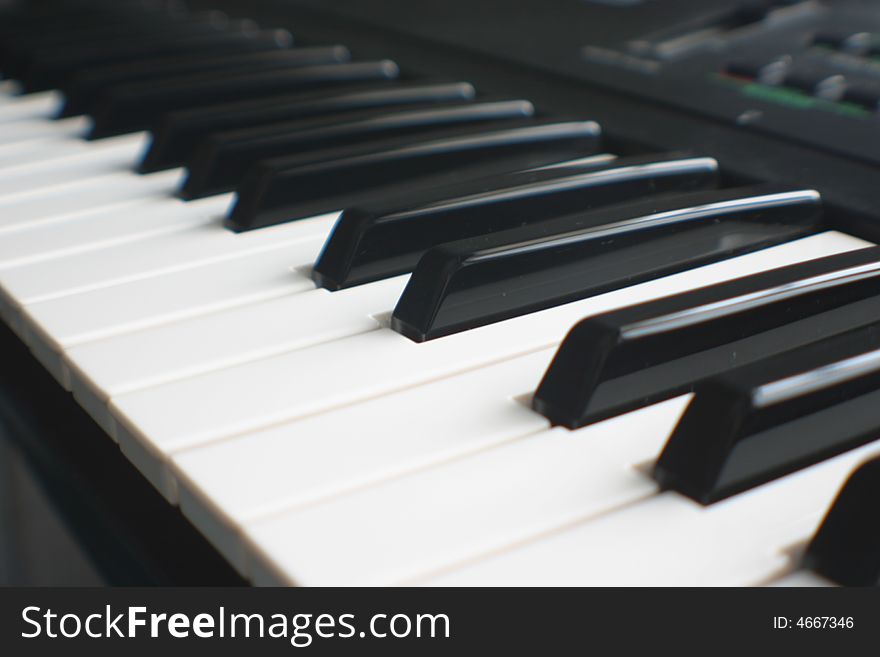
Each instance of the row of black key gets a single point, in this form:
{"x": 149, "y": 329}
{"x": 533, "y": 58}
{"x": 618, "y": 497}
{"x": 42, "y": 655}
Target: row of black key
{"x": 784, "y": 367}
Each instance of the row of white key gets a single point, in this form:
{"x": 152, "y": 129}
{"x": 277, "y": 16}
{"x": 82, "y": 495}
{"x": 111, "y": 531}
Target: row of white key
{"x": 40, "y": 174}
{"x": 47, "y": 153}
{"x": 36, "y": 206}
{"x": 669, "y": 540}
{"x": 201, "y": 243}
{"x": 559, "y": 509}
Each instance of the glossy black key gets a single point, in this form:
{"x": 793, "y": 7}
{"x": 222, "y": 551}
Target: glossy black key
{"x": 462, "y": 285}
{"x": 221, "y": 162}
{"x": 846, "y": 547}
{"x": 176, "y": 137}
{"x": 263, "y": 51}
{"x": 773, "y": 417}
{"x": 51, "y": 69}
{"x": 290, "y": 188}
{"x": 369, "y": 243}
{"x": 624, "y": 359}
{"x": 132, "y": 107}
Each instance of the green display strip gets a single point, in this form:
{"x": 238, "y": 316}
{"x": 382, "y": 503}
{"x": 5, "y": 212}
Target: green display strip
{"x": 791, "y": 97}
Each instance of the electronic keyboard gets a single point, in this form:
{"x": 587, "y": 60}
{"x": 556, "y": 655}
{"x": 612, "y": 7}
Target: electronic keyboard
{"x": 496, "y": 293}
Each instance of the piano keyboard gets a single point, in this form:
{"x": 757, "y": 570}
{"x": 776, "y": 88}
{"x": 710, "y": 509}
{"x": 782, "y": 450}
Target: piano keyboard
{"x": 312, "y": 299}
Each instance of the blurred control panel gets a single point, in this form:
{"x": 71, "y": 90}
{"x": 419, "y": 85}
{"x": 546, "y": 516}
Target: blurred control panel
{"x": 802, "y": 70}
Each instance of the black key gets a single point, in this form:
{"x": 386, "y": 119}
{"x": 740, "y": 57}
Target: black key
{"x": 263, "y": 51}
{"x": 370, "y": 243}
{"x": 53, "y": 68}
{"x": 522, "y": 159}
{"x": 128, "y": 108}
{"x": 175, "y": 139}
{"x": 221, "y": 162}
{"x": 628, "y": 358}
{"x": 846, "y": 547}
{"x": 462, "y": 285}
{"x": 290, "y": 188}
{"x": 773, "y": 417}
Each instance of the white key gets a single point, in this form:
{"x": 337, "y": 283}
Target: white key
{"x": 449, "y": 514}
{"x": 672, "y": 541}
{"x": 51, "y": 327}
{"x": 41, "y": 144}
{"x": 78, "y": 318}
{"x": 130, "y": 361}
{"x": 21, "y": 129}
{"x": 117, "y": 157}
{"x": 55, "y": 204}
{"x": 200, "y": 244}
{"x": 9, "y": 90}
{"x": 43, "y": 105}
{"x": 24, "y": 155}
{"x": 210, "y": 406}
{"x": 303, "y": 462}
{"x": 10, "y": 152}
{"x": 801, "y": 578}
{"x": 98, "y": 229}
{"x": 37, "y": 149}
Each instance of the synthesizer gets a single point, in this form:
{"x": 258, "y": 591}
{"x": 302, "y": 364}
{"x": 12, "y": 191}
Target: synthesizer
{"x": 450, "y": 293}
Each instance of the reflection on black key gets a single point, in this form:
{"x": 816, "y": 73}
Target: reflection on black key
{"x": 846, "y": 548}
{"x": 466, "y": 284}
{"x": 315, "y": 183}
{"x": 175, "y": 139}
{"x": 369, "y": 243}
{"x": 222, "y": 160}
{"x": 262, "y": 52}
{"x": 765, "y": 420}
{"x": 624, "y": 359}
{"x": 133, "y": 107}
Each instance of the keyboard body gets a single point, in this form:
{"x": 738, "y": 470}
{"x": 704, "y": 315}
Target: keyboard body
{"x": 308, "y": 442}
